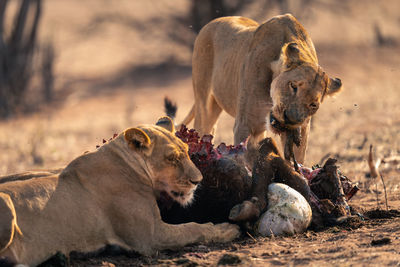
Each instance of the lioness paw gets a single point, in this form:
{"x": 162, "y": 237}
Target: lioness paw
{"x": 225, "y": 232}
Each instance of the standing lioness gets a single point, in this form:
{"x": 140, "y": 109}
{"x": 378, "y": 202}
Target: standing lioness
{"x": 257, "y": 74}
{"x": 104, "y": 197}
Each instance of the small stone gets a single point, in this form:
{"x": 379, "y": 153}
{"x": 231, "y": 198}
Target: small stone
{"x": 229, "y": 259}
{"x": 185, "y": 262}
{"x": 382, "y": 241}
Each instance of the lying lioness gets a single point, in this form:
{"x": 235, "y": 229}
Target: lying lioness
{"x": 105, "y": 197}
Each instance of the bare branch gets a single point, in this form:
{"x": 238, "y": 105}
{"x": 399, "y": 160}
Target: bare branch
{"x": 17, "y": 53}
{"x": 20, "y": 22}
{"x": 374, "y": 170}
{"x": 373, "y": 167}
{"x": 3, "y": 6}
{"x": 32, "y": 37}
{"x": 384, "y": 189}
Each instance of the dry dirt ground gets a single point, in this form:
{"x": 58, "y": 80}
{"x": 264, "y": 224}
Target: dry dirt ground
{"x": 109, "y": 77}
{"x": 372, "y": 242}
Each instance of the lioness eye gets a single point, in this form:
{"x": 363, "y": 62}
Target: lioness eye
{"x": 293, "y": 86}
{"x": 172, "y": 159}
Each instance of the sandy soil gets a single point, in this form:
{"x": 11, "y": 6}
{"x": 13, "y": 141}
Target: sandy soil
{"x": 113, "y": 72}
{"x": 368, "y": 242}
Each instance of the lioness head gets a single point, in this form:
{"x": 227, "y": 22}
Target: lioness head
{"x": 298, "y": 87}
{"x": 167, "y": 158}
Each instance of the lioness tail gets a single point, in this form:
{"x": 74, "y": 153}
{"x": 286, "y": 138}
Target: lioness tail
{"x": 8, "y": 221}
{"x": 170, "y": 107}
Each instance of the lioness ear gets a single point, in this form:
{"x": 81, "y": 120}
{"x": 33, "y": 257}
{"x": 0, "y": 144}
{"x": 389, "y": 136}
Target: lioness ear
{"x": 291, "y": 54}
{"x": 167, "y": 123}
{"x": 137, "y": 139}
{"x": 334, "y": 86}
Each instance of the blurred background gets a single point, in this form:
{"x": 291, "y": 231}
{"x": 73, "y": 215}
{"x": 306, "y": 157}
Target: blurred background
{"x": 74, "y": 72}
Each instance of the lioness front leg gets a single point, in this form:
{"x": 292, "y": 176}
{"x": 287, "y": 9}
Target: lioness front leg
{"x": 241, "y": 131}
{"x": 141, "y": 228}
{"x": 179, "y": 235}
{"x": 206, "y": 116}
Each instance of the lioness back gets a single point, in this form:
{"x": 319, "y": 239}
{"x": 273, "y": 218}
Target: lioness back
{"x": 28, "y": 175}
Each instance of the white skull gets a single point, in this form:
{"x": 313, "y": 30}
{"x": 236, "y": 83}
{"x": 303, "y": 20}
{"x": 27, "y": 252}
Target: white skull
{"x": 288, "y": 212}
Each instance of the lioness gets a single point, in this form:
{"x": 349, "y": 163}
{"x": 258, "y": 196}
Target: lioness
{"x": 259, "y": 74}
{"x": 105, "y": 197}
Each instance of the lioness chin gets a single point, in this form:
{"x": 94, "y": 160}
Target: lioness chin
{"x": 105, "y": 197}
{"x": 260, "y": 74}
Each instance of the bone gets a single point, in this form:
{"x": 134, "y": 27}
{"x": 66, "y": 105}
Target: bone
{"x": 269, "y": 167}
{"x": 293, "y": 137}
{"x": 288, "y": 212}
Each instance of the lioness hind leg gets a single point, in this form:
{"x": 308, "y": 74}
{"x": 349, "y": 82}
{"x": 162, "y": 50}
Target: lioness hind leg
{"x": 207, "y": 116}
{"x": 8, "y": 221}
{"x": 207, "y": 109}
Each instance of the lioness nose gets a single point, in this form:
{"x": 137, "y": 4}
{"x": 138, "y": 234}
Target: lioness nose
{"x": 314, "y": 106}
{"x": 194, "y": 176}
{"x": 194, "y": 181}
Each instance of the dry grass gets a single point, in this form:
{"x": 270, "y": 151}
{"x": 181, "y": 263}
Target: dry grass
{"x": 100, "y": 91}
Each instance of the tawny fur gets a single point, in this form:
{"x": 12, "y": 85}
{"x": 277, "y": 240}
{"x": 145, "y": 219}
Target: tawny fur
{"x": 104, "y": 197}
{"x": 251, "y": 70}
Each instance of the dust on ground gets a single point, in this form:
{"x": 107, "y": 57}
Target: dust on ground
{"x": 363, "y": 241}
{"x": 111, "y": 76}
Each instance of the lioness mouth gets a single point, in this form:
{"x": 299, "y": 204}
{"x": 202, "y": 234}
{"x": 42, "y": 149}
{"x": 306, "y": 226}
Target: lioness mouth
{"x": 176, "y": 194}
{"x": 293, "y": 137}
{"x": 276, "y": 125}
